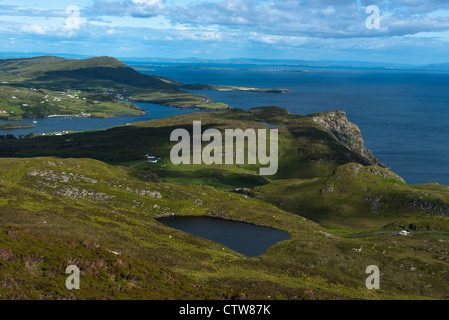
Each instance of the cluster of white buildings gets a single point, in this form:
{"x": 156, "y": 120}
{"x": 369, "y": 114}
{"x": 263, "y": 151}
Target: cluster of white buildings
{"x": 60, "y": 133}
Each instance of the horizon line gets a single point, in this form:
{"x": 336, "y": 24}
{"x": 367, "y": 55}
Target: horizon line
{"x": 327, "y": 62}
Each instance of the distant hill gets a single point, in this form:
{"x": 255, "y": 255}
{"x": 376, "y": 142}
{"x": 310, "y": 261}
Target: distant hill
{"x": 438, "y": 66}
{"x": 60, "y": 72}
{"x": 33, "y": 66}
{"x": 104, "y": 75}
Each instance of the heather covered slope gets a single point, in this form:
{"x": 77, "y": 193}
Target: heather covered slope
{"x": 324, "y": 169}
{"x": 33, "y": 267}
{"x": 80, "y": 210}
{"x": 306, "y": 148}
{"x": 328, "y": 188}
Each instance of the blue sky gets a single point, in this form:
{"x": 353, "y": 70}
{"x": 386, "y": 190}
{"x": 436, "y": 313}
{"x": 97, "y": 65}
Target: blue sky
{"x": 410, "y": 31}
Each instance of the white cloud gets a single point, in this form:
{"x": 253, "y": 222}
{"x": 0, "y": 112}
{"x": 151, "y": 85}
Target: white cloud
{"x": 157, "y": 3}
{"x": 291, "y": 26}
{"x": 36, "y": 29}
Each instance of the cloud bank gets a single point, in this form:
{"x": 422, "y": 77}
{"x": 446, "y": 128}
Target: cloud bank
{"x": 291, "y": 28}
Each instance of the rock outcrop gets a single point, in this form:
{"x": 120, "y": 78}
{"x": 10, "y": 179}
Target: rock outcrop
{"x": 346, "y": 133}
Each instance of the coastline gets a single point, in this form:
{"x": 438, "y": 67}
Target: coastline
{"x": 192, "y": 107}
{"x": 208, "y": 87}
{"x": 91, "y": 116}
{"x": 13, "y": 127}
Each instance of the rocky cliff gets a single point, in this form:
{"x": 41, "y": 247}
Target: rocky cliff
{"x": 345, "y": 133}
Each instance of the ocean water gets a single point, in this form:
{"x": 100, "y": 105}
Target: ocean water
{"x": 56, "y": 124}
{"x": 402, "y": 114}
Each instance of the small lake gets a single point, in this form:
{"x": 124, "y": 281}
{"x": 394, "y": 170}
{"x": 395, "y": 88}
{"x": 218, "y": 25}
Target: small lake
{"x": 245, "y": 238}
{"x": 269, "y": 126}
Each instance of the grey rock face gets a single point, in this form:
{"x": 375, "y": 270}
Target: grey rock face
{"x": 346, "y": 133}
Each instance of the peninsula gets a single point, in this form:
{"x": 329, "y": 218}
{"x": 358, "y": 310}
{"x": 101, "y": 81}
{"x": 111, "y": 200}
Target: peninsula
{"x": 10, "y": 126}
{"x": 95, "y": 87}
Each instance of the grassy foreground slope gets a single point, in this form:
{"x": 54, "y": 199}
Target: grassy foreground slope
{"x": 33, "y": 267}
{"x": 328, "y": 187}
{"x": 86, "y": 209}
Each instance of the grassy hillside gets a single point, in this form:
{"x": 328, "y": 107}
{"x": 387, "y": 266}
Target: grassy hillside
{"x": 305, "y": 149}
{"x": 19, "y": 102}
{"x": 354, "y": 191}
{"x": 330, "y": 194}
{"x": 11, "y": 69}
{"x": 86, "y": 209}
{"x": 33, "y": 267}
{"x": 321, "y": 172}
{"x": 106, "y": 77}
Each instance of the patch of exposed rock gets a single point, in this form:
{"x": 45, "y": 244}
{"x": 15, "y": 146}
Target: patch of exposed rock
{"x": 346, "y": 133}
{"x": 74, "y": 192}
{"x": 245, "y": 191}
{"x": 153, "y": 194}
{"x": 60, "y": 177}
{"x": 327, "y": 189}
{"x": 385, "y": 173}
{"x": 441, "y": 207}
{"x": 375, "y": 203}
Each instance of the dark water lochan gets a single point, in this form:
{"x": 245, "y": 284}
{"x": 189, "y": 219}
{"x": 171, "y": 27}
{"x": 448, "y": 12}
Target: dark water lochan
{"x": 247, "y": 239}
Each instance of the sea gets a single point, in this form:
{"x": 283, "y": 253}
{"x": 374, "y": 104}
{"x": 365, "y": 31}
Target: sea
{"x": 403, "y": 114}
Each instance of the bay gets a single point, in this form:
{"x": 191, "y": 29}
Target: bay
{"x": 58, "y": 124}
{"x": 402, "y": 114}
